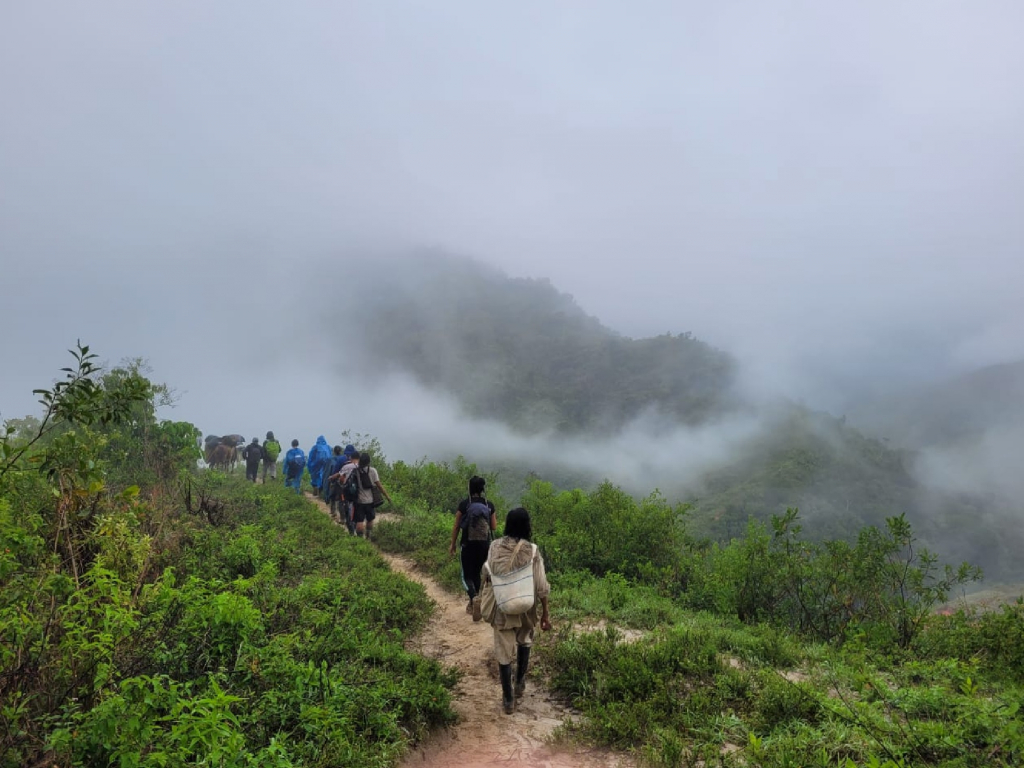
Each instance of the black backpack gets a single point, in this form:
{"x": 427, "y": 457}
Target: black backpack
{"x": 475, "y": 511}
{"x": 351, "y": 487}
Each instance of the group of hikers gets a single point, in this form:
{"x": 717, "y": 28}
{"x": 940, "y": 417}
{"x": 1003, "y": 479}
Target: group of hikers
{"x": 255, "y": 454}
{"x": 342, "y": 477}
{"x": 504, "y": 577}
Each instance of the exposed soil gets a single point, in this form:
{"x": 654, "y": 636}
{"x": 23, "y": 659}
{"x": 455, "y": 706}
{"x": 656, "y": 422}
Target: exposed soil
{"x": 484, "y": 736}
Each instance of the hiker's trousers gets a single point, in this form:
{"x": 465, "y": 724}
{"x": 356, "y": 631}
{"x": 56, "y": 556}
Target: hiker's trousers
{"x": 506, "y": 640}
{"x": 473, "y": 556}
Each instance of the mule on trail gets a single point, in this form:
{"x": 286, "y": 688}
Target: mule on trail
{"x": 222, "y": 457}
{"x": 227, "y": 459}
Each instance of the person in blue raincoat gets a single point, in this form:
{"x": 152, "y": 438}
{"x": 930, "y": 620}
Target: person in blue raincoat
{"x": 319, "y": 456}
{"x": 294, "y": 465}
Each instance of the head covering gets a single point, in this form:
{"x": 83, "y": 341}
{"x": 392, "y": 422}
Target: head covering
{"x": 270, "y": 435}
{"x": 256, "y": 440}
{"x": 350, "y": 449}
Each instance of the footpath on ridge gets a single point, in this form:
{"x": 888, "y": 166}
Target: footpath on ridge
{"x": 485, "y": 737}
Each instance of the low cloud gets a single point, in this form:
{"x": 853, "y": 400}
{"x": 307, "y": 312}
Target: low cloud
{"x": 647, "y": 453}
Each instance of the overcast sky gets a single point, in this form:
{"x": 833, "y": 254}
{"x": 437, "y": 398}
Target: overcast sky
{"x": 833, "y": 192}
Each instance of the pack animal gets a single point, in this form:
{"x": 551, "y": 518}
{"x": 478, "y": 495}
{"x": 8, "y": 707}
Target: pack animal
{"x": 223, "y": 457}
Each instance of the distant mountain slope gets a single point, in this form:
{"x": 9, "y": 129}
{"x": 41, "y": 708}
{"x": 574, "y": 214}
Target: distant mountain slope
{"x": 840, "y": 479}
{"x": 520, "y": 351}
{"x": 954, "y": 411}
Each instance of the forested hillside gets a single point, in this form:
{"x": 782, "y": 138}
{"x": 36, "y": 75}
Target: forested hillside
{"x": 842, "y": 480}
{"x": 520, "y": 351}
{"x": 839, "y": 478}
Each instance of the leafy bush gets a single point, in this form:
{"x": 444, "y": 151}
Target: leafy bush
{"x": 437, "y": 487}
{"x": 883, "y": 588}
{"x": 993, "y": 639}
{"x": 606, "y": 531}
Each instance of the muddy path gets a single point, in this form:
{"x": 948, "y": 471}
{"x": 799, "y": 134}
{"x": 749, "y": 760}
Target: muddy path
{"x": 485, "y": 737}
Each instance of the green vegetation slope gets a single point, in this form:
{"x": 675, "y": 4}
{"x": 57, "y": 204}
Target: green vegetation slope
{"x": 156, "y": 617}
{"x": 773, "y": 650}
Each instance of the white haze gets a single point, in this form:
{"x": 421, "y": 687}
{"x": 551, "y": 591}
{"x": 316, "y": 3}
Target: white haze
{"x": 831, "y": 192}
{"x": 645, "y": 454}
{"x": 988, "y": 465}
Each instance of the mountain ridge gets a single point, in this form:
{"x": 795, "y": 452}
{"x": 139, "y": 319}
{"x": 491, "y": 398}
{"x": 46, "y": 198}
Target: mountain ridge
{"x": 518, "y": 351}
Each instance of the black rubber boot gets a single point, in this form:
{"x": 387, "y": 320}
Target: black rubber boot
{"x": 507, "y": 700}
{"x": 522, "y": 664}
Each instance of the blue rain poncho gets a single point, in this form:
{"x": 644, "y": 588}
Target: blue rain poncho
{"x": 319, "y": 455}
{"x": 294, "y": 464}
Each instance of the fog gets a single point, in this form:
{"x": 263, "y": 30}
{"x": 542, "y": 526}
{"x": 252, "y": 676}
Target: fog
{"x": 831, "y": 194}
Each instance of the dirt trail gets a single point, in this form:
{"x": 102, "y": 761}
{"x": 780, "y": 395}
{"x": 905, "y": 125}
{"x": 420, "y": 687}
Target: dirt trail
{"x": 485, "y": 737}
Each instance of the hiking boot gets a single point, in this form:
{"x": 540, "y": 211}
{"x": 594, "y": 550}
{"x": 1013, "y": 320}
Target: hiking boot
{"x": 477, "y": 609}
{"x": 469, "y": 606}
{"x": 508, "y": 702}
{"x": 522, "y": 664}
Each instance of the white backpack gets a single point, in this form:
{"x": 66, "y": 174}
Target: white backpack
{"x": 514, "y": 592}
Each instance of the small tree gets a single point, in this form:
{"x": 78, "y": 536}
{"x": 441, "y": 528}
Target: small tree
{"x": 904, "y": 583}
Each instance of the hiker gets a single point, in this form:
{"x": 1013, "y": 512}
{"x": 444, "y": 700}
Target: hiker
{"x": 294, "y": 464}
{"x": 319, "y": 455}
{"x": 331, "y": 468}
{"x": 348, "y": 492}
{"x": 513, "y": 570}
{"x": 271, "y": 450}
{"x": 331, "y": 487}
{"x": 253, "y": 455}
{"x": 370, "y": 489}
{"x": 475, "y": 518}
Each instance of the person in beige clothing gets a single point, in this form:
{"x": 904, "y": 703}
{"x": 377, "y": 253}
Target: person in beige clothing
{"x": 513, "y": 634}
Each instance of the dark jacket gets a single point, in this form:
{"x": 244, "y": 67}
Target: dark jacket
{"x": 252, "y": 454}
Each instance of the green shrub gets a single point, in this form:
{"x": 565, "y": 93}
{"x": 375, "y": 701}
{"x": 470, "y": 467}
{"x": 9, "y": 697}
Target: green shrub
{"x": 993, "y": 638}
{"x": 779, "y": 702}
